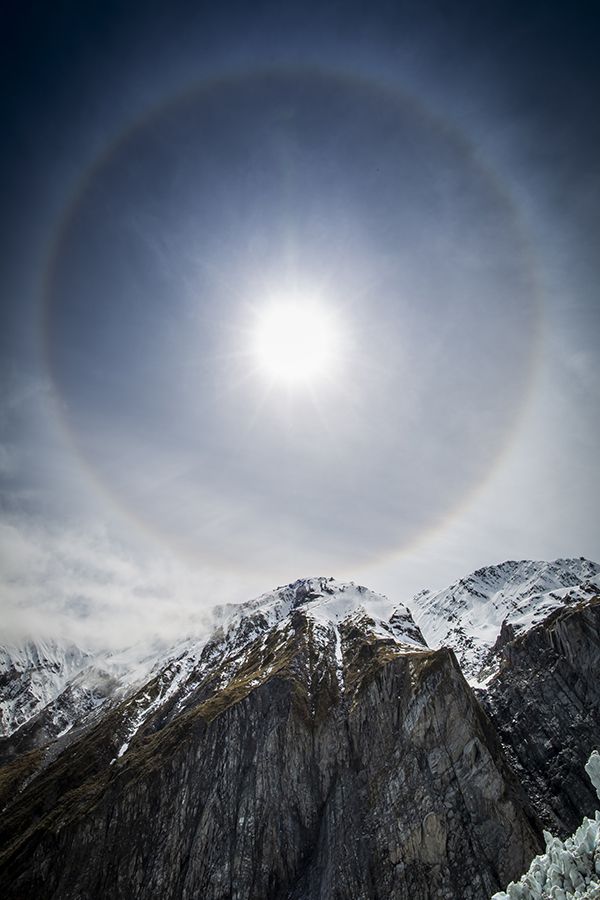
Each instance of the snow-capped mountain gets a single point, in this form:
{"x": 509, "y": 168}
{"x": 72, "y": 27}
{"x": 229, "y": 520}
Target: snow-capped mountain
{"x": 33, "y": 675}
{"x": 49, "y": 686}
{"x": 310, "y": 746}
{"x": 249, "y": 643}
{"x": 469, "y": 615}
{"x": 52, "y": 686}
{"x": 249, "y": 764}
{"x": 327, "y": 604}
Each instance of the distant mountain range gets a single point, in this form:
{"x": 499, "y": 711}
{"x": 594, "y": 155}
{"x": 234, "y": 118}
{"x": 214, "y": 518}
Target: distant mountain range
{"x": 320, "y": 742}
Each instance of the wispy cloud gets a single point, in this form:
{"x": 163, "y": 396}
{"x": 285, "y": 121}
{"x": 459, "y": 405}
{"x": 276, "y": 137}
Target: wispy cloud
{"x": 86, "y": 586}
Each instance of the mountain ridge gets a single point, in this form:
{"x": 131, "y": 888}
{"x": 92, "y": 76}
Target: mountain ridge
{"x": 469, "y": 614}
{"x": 89, "y": 680}
{"x": 313, "y": 747}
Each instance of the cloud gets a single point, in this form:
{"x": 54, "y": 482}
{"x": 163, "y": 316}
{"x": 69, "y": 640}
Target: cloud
{"x": 81, "y": 584}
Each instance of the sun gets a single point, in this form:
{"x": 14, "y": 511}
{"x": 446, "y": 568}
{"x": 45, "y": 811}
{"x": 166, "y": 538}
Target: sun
{"x": 296, "y": 342}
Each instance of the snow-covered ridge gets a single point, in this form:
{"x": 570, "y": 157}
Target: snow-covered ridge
{"x": 63, "y": 684}
{"x": 325, "y": 601}
{"x": 468, "y": 615}
{"x": 58, "y": 684}
{"x": 328, "y": 605}
{"x": 32, "y": 675}
{"x": 62, "y": 681}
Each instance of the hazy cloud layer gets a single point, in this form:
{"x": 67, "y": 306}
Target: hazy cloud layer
{"x": 84, "y": 585}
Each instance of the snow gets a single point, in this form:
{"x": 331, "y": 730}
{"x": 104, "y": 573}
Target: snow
{"x": 568, "y": 869}
{"x": 34, "y": 674}
{"x": 328, "y": 602}
{"x": 142, "y": 706}
{"x": 469, "y": 614}
{"x": 325, "y": 603}
{"x": 339, "y": 664}
{"x": 592, "y": 767}
{"x": 66, "y": 683}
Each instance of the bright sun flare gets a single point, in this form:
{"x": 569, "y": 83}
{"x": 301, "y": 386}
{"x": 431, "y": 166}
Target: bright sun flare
{"x": 296, "y": 342}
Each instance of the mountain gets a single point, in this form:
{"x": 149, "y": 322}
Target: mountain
{"x": 32, "y": 676}
{"x": 526, "y": 636}
{"x": 544, "y": 704}
{"x": 49, "y": 687}
{"x": 470, "y": 615}
{"x": 312, "y": 746}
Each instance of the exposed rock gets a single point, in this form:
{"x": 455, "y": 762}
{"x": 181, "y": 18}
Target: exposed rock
{"x": 288, "y": 782}
{"x": 313, "y": 747}
{"x": 545, "y": 705}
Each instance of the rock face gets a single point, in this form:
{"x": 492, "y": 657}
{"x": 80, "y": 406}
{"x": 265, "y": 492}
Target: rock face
{"x": 313, "y": 747}
{"x": 527, "y": 635}
{"x": 545, "y": 705}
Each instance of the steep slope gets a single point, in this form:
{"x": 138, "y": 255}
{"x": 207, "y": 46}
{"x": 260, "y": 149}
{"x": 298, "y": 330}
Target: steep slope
{"x": 528, "y": 636}
{"x": 470, "y": 614}
{"x": 545, "y": 705}
{"x": 49, "y": 688}
{"x": 32, "y": 676}
{"x": 54, "y": 687}
{"x": 312, "y": 748}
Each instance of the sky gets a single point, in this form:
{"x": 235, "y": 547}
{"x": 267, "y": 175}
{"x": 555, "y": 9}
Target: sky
{"x": 291, "y": 289}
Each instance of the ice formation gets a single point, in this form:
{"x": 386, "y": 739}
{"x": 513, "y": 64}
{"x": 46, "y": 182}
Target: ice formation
{"x": 568, "y": 869}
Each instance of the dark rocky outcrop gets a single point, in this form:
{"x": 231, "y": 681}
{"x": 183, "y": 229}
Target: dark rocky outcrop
{"x": 292, "y": 782}
{"x": 545, "y": 706}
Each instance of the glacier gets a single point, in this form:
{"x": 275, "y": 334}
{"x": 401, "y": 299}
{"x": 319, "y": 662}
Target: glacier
{"x": 568, "y": 869}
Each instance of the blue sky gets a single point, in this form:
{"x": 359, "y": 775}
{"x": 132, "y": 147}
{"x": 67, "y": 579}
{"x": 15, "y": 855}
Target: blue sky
{"x": 425, "y": 176}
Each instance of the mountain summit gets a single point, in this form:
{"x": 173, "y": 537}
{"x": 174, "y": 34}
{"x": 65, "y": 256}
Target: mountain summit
{"x": 470, "y": 614}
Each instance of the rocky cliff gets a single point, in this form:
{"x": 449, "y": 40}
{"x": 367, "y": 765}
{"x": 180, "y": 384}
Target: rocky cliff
{"x": 545, "y": 706}
{"x": 313, "y": 747}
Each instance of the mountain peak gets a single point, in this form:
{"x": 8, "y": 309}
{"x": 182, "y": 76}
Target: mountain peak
{"x": 326, "y": 603}
{"x": 323, "y": 598}
{"x": 469, "y": 614}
